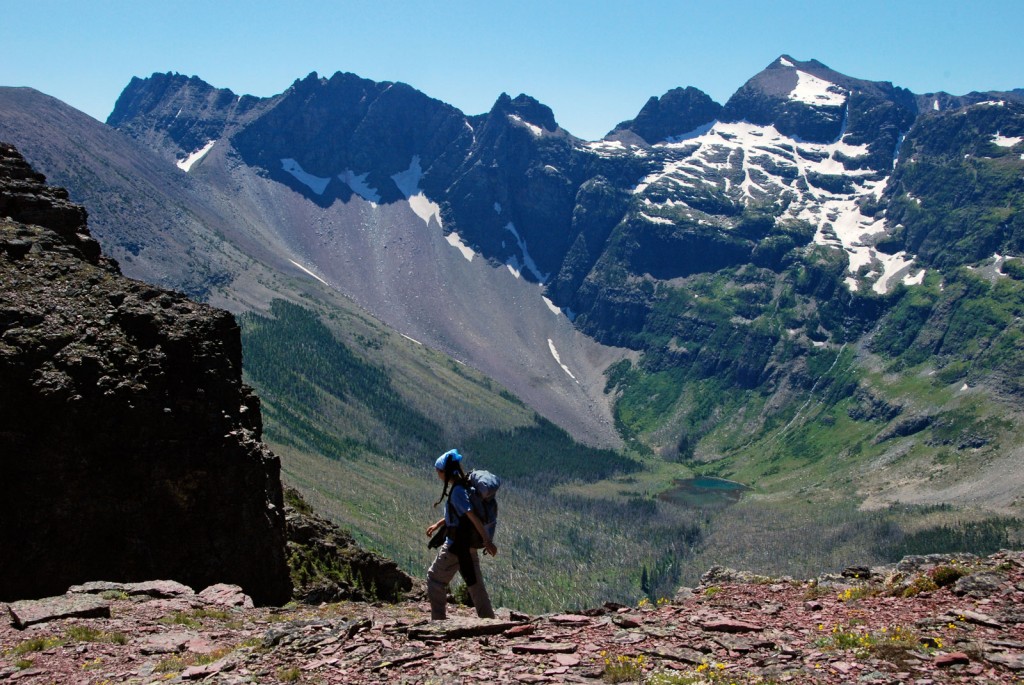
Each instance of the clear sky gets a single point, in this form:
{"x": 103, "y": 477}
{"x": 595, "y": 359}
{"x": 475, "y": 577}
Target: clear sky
{"x": 594, "y": 63}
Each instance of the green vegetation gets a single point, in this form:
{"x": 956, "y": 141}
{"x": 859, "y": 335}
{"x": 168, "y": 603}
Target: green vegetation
{"x": 768, "y": 376}
{"x": 296, "y": 357}
{"x": 88, "y": 634}
{"x": 36, "y": 644}
{"x": 545, "y": 455}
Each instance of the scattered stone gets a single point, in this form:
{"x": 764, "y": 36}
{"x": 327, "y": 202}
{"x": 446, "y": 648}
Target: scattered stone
{"x": 626, "y": 621}
{"x": 226, "y": 595}
{"x": 543, "y": 648}
{"x": 976, "y": 618}
{"x": 32, "y": 611}
{"x": 727, "y": 625}
{"x": 569, "y": 619}
{"x": 1014, "y": 662}
{"x": 457, "y": 628}
{"x": 683, "y": 594}
{"x": 521, "y": 630}
{"x": 978, "y": 585}
{"x": 160, "y": 589}
{"x": 628, "y": 637}
{"x": 97, "y": 587}
{"x": 358, "y": 643}
{"x": 165, "y": 643}
{"x": 680, "y": 654}
{"x": 813, "y": 605}
{"x": 402, "y": 659}
{"x": 201, "y": 672}
{"x": 951, "y": 659}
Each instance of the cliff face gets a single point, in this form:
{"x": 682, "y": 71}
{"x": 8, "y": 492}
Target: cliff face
{"x": 129, "y": 447}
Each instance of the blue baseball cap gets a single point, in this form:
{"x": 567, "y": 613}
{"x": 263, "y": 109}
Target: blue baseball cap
{"x": 442, "y": 461}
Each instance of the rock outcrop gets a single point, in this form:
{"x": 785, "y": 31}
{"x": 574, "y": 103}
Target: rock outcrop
{"x": 129, "y": 447}
{"x": 328, "y": 566}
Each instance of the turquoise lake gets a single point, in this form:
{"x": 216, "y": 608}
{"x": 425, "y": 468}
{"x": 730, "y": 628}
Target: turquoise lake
{"x": 704, "y": 492}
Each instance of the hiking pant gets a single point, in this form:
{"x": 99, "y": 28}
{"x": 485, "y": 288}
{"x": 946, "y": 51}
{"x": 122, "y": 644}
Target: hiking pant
{"x": 441, "y": 572}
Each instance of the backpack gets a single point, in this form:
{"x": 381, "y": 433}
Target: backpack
{"x": 483, "y": 486}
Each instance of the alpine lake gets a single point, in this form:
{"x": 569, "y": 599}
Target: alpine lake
{"x": 704, "y": 492}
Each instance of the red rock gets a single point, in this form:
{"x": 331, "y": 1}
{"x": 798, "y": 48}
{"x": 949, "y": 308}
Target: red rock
{"x": 521, "y": 630}
{"x": 32, "y": 611}
{"x": 727, "y": 625}
{"x": 226, "y": 595}
{"x": 543, "y": 648}
{"x": 951, "y": 659}
{"x": 569, "y": 619}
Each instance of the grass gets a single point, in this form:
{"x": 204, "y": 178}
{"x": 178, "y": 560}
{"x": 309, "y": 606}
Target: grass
{"x": 176, "y": 663}
{"x": 36, "y": 644}
{"x": 288, "y": 674}
{"x": 89, "y": 634}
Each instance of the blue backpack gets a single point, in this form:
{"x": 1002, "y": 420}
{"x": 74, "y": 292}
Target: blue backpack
{"x": 483, "y": 486}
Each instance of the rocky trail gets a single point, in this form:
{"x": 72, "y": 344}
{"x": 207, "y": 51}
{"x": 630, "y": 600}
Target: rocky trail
{"x": 891, "y": 624}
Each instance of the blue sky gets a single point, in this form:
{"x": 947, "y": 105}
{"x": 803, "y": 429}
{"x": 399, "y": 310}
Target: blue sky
{"x": 594, "y": 63}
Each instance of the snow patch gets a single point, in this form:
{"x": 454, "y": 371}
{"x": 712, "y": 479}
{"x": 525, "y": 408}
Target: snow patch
{"x": 425, "y": 209}
{"x": 534, "y": 129}
{"x": 359, "y": 186}
{"x": 656, "y": 219}
{"x": 554, "y": 353}
{"x": 455, "y": 241}
{"x": 551, "y": 305}
{"x": 785, "y": 62}
{"x": 412, "y": 339}
{"x": 408, "y": 182}
{"x": 892, "y": 266}
{"x": 690, "y": 135}
{"x": 935, "y": 105}
{"x": 186, "y": 164}
{"x": 315, "y": 183}
{"x": 1006, "y": 141}
{"x": 513, "y": 266}
{"x": 309, "y": 272}
{"x": 812, "y": 90}
{"x": 527, "y": 259}
{"x": 916, "y": 279}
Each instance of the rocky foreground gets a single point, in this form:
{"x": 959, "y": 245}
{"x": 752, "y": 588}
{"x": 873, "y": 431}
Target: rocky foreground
{"x": 935, "y": 619}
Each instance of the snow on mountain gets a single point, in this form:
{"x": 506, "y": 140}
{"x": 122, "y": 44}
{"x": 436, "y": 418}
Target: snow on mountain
{"x": 455, "y": 241}
{"x": 408, "y": 183}
{"x": 1006, "y": 141}
{"x": 812, "y": 90}
{"x": 819, "y": 183}
{"x": 528, "y": 262}
{"x": 359, "y": 186}
{"x": 186, "y": 164}
{"x": 315, "y": 183}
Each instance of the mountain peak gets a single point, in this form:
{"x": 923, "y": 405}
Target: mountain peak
{"x": 528, "y": 109}
{"x": 678, "y": 111}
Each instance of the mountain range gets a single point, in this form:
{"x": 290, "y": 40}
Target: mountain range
{"x": 815, "y": 287}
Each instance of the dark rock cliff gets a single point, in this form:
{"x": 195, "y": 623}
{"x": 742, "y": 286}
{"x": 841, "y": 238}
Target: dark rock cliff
{"x": 129, "y": 447}
{"x": 677, "y": 112}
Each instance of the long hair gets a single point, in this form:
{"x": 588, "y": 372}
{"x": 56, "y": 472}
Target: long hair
{"x": 453, "y": 474}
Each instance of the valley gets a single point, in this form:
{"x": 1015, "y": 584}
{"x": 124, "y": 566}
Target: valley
{"x": 814, "y": 290}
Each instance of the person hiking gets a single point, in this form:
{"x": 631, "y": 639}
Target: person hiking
{"x": 458, "y": 552}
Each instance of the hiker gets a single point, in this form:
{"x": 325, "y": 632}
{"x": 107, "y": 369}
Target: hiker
{"x": 459, "y": 550}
